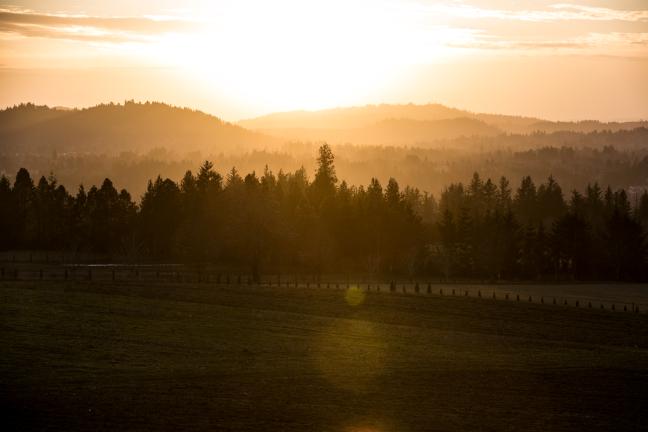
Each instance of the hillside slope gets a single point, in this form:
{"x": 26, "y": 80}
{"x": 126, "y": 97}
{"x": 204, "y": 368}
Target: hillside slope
{"x": 331, "y": 121}
{"x": 396, "y": 132}
{"x": 114, "y": 128}
{"x": 87, "y": 356}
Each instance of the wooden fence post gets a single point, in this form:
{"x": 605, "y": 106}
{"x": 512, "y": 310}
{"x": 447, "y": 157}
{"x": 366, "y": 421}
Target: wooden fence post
{"x": 89, "y": 274}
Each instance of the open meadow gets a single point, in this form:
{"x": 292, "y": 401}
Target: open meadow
{"x": 158, "y": 356}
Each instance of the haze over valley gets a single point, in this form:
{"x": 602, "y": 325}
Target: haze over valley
{"x": 427, "y": 146}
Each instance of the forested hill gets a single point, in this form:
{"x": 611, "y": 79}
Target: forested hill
{"x": 393, "y": 132}
{"x": 370, "y": 117}
{"x": 113, "y": 128}
{"x": 352, "y": 117}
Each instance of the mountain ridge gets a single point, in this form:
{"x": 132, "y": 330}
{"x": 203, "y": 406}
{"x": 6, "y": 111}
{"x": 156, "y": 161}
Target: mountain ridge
{"x": 144, "y": 126}
{"x": 114, "y": 128}
{"x": 363, "y": 116}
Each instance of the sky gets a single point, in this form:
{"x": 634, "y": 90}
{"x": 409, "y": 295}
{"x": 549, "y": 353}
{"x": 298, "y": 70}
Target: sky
{"x": 581, "y": 59}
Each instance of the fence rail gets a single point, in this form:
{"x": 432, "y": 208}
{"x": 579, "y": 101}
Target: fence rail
{"x": 180, "y": 274}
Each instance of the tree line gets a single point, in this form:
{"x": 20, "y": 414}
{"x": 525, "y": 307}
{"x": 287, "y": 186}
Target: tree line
{"x": 286, "y": 222}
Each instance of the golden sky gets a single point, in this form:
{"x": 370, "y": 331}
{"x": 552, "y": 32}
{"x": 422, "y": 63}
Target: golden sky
{"x": 238, "y": 59}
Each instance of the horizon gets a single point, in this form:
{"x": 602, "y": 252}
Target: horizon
{"x": 585, "y": 59}
{"x": 237, "y": 121}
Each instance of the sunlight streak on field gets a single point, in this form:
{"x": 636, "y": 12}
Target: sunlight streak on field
{"x": 351, "y": 355}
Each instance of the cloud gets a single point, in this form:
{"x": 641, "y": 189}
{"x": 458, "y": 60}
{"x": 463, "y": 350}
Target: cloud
{"x": 572, "y": 11}
{"x": 89, "y": 28}
{"x": 552, "y": 28}
{"x": 592, "y": 41}
{"x": 555, "y": 12}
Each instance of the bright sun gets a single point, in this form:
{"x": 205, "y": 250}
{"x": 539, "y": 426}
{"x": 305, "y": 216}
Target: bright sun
{"x": 300, "y": 54}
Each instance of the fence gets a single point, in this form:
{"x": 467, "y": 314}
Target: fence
{"x": 182, "y": 274}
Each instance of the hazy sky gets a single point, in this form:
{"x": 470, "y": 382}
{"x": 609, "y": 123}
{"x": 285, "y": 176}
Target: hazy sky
{"x": 238, "y": 59}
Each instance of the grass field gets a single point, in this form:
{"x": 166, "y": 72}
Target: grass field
{"x": 100, "y": 356}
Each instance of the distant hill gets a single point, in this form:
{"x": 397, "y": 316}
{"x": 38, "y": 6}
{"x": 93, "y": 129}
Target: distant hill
{"x": 351, "y": 117}
{"x": 142, "y": 127}
{"x": 587, "y": 126}
{"x": 115, "y": 128}
{"x": 413, "y": 122}
{"x": 391, "y": 132}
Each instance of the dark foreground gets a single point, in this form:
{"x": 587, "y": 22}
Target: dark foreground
{"x": 81, "y": 356}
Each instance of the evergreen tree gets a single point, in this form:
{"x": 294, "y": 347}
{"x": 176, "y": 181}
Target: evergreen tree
{"x": 525, "y": 204}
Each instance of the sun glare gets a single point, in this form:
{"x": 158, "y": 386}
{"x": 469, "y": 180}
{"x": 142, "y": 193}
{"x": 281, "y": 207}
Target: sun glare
{"x": 298, "y": 54}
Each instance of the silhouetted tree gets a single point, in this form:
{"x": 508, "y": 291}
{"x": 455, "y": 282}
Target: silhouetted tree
{"x": 160, "y": 217}
{"x": 8, "y": 214}
{"x": 285, "y": 222}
